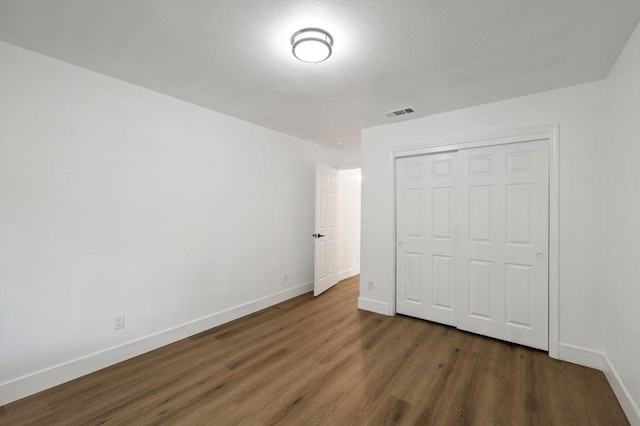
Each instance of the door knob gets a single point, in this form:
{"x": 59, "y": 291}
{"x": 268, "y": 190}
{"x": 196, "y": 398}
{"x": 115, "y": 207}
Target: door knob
{"x": 317, "y": 235}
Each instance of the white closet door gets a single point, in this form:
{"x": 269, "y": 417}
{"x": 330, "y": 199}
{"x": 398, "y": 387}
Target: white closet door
{"x": 502, "y": 249}
{"x": 425, "y": 236}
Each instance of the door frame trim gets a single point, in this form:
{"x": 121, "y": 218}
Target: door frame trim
{"x": 548, "y": 132}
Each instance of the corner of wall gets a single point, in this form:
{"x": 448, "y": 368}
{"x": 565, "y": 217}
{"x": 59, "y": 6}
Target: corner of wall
{"x": 629, "y": 406}
{"x": 374, "y": 306}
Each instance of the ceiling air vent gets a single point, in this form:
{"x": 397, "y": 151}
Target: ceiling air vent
{"x": 402, "y": 111}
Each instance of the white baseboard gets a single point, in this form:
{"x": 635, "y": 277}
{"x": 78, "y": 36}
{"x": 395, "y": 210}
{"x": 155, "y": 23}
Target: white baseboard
{"x": 373, "y": 306}
{"x": 47, "y": 378}
{"x": 348, "y": 273}
{"x": 600, "y": 361}
{"x": 581, "y": 356}
{"x": 629, "y": 406}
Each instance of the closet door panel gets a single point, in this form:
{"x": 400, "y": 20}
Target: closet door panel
{"x": 425, "y": 237}
{"x": 502, "y": 243}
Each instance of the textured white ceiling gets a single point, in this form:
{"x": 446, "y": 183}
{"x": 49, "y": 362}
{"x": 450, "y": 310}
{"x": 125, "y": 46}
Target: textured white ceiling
{"x": 234, "y": 56}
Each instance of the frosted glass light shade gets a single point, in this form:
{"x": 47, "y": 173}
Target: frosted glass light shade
{"x": 311, "y": 45}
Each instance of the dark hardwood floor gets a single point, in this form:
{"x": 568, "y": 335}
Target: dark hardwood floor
{"x": 321, "y": 361}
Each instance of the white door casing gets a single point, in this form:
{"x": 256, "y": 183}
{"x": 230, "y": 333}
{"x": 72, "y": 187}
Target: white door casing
{"x": 481, "y": 234}
{"x": 425, "y": 211}
{"x": 325, "y": 253}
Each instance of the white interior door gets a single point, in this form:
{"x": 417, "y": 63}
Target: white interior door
{"x": 472, "y": 240}
{"x": 325, "y": 275}
{"x": 425, "y": 212}
{"x": 503, "y": 225}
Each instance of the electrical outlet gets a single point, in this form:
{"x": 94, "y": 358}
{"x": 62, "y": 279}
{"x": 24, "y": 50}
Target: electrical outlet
{"x": 286, "y": 277}
{"x": 370, "y": 283}
{"x": 118, "y": 322}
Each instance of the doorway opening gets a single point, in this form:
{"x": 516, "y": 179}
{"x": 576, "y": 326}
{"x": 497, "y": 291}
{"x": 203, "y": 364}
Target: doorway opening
{"x": 348, "y": 223}
{"x": 337, "y": 226}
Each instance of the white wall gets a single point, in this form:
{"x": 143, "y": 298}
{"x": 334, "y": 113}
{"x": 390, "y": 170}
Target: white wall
{"x": 347, "y": 158}
{"x": 578, "y": 112}
{"x": 118, "y": 200}
{"x": 622, "y": 242}
{"x": 348, "y": 223}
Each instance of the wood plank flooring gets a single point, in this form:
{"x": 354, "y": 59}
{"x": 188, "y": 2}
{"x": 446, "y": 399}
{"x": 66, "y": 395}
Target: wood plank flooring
{"x": 320, "y": 361}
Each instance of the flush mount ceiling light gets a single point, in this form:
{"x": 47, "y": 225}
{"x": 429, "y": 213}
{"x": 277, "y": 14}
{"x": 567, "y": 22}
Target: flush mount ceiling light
{"x": 311, "y": 45}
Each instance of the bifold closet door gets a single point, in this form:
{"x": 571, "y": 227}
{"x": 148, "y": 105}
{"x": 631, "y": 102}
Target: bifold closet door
{"x": 502, "y": 246}
{"x": 425, "y": 220}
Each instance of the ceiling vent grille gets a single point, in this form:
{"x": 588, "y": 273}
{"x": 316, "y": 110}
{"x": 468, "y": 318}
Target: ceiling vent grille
{"x": 399, "y": 112}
